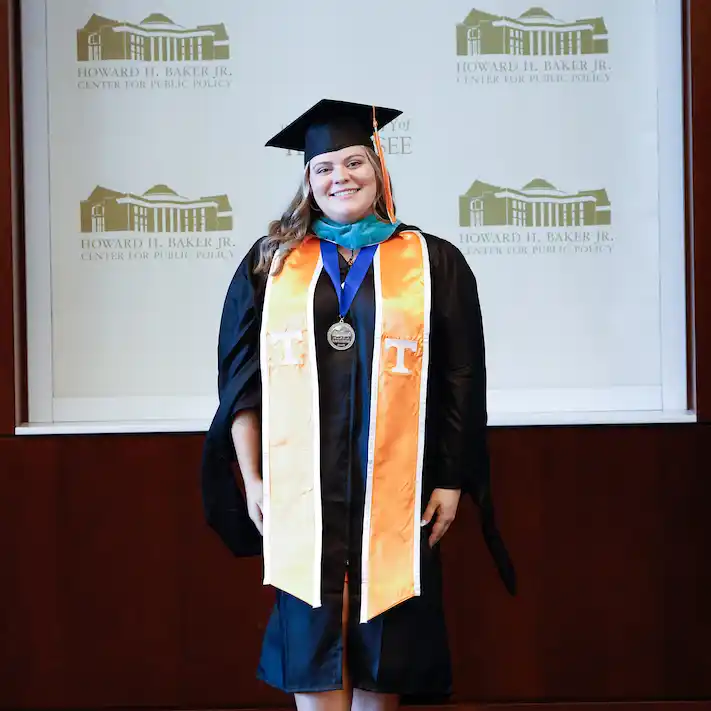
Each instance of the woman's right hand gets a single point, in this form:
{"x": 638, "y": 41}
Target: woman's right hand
{"x": 255, "y": 502}
{"x": 246, "y": 438}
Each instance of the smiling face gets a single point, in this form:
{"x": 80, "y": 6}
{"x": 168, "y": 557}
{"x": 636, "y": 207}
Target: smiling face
{"x": 343, "y": 184}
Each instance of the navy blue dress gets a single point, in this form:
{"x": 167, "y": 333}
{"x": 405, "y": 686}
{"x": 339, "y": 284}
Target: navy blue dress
{"x": 405, "y": 649}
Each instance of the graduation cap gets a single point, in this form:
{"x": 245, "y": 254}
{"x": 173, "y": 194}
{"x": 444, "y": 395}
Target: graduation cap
{"x": 330, "y": 125}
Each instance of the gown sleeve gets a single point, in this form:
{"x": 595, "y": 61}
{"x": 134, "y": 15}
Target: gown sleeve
{"x": 238, "y": 385}
{"x": 461, "y": 454}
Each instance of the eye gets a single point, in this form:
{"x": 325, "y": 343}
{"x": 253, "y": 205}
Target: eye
{"x": 355, "y": 163}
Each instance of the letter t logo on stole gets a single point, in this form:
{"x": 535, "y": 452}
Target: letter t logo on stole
{"x": 291, "y": 462}
{"x": 401, "y": 346}
{"x": 288, "y": 338}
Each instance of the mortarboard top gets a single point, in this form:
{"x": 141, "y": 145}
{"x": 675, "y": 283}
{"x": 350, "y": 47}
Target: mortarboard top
{"x": 330, "y": 125}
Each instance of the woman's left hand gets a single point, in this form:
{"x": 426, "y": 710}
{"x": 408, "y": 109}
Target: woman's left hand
{"x": 443, "y": 504}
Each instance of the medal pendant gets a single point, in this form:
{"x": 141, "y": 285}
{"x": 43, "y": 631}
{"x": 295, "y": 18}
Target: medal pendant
{"x": 341, "y": 336}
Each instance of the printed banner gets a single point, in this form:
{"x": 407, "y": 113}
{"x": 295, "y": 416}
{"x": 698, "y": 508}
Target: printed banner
{"x": 529, "y": 138}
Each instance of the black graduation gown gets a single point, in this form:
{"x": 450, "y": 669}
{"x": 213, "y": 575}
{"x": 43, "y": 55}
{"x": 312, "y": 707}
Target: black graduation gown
{"x": 403, "y": 650}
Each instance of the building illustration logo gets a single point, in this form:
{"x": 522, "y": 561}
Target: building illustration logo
{"x": 538, "y": 204}
{"x": 155, "y": 39}
{"x": 535, "y": 33}
{"x": 159, "y": 209}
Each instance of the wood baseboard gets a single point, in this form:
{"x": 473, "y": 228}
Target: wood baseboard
{"x": 670, "y": 705}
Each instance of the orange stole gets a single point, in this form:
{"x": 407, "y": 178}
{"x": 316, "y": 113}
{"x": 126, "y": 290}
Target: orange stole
{"x": 291, "y": 469}
{"x": 391, "y": 525}
{"x": 291, "y": 433}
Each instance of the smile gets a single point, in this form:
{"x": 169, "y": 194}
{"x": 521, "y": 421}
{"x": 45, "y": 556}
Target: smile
{"x": 345, "y": 193}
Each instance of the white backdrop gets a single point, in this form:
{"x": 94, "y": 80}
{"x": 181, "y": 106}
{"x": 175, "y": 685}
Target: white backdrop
{"x": 583, "y": 322}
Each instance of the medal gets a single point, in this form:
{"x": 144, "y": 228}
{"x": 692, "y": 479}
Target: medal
{"x": 341, "y": 336}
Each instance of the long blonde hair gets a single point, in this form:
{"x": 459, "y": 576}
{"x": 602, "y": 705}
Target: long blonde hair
{"x": 286, "y": 234}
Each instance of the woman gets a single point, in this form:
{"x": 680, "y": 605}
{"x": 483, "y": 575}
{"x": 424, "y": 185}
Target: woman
{"x": 353, "y": 398}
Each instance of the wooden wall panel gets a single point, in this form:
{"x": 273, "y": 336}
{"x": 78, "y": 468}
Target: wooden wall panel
{"x": 118, "y": 595}
{"x": 609, "y": 531}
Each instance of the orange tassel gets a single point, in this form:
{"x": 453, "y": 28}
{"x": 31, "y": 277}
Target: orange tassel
{"x": 386, "y": 176}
